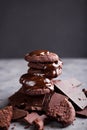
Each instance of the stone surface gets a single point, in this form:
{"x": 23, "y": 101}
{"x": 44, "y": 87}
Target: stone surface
{"x": 11, "y": 70}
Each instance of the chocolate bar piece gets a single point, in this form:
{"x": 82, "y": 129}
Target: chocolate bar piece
{"x": 35, "y": 118}
{"x": 18, "y": 114}
{"x": 71, "y": 89}
{"x": 82, "y": 113}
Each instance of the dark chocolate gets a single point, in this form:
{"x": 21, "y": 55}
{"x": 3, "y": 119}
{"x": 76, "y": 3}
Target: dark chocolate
{"x": 71, "y": 89}
{"x": 35, "y": 118}
{"x": 18, "y": 114}
{"x": 82, "y": 113}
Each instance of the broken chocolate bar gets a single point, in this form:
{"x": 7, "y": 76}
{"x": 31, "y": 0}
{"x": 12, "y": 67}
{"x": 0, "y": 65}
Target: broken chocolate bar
{"x": 82, "y": 113}
{"x": 18, "y": 114}
{"x": 71, "y": 89}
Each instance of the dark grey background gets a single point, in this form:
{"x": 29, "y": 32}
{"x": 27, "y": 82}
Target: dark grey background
{"x": 56, "y": 25}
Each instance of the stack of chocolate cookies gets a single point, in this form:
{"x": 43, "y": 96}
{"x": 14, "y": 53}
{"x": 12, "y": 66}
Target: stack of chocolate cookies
{"x": 37, "y": 93}
{"x": 36, "y": 83}
{"x": 43, "y": 66}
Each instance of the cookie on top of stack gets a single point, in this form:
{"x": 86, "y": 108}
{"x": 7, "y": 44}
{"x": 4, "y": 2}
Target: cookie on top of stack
{"x": 44, "y": 63}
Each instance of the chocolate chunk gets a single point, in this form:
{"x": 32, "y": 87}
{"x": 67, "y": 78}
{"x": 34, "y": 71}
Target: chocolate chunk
{"x": 18, "y": 114}
{"x": 5, "y": 117}
{"x": 71, "y": 89}
{"x": 59, "y": 108}
{"x": 82, "y": 113}
{"x": 34, "y": 118}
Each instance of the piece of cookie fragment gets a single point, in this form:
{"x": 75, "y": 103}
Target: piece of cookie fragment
{"x": 5, "y": 117}
{"x": 36, "y": 84}
{"x": 59, "y": 108}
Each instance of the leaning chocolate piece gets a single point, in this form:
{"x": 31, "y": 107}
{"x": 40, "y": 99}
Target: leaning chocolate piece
{"x": 41, "y": 56}
{"x": 18, "y": 114}
{"x": 82, "y": 113}
{"x": 5, "y": 117}
{"x": 71, "y": 89}
{"x": 59, "y": 108}
{"x": 36, "y": 84}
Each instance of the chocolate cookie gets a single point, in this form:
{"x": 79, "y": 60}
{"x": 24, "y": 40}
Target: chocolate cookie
{"x": 41, "y": 56}
{"x": 59, "y": 108}
{"x": 36, "y": 84}
{"x": 5, "y": 117}
{"x": 26, "y": 102}
{"x": 46, "y": 65}
{"x": 47, "y": 72}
